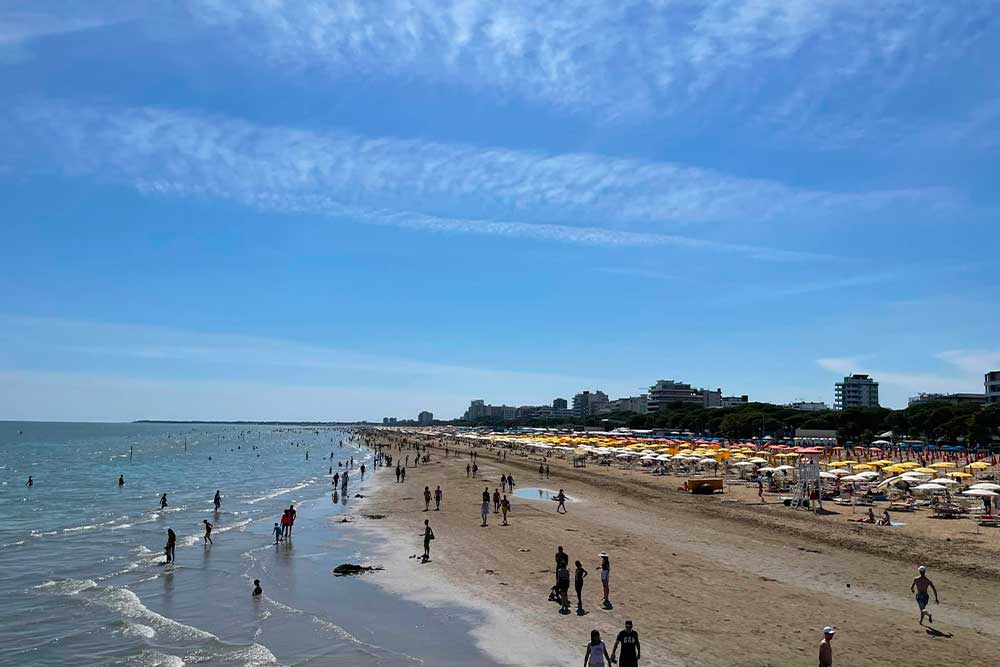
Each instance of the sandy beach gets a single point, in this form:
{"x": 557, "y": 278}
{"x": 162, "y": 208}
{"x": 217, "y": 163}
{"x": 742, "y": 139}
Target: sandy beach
{"x": 719, "y": 580}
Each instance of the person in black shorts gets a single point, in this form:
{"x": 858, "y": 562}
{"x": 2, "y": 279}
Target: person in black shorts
{"x": 629, "y": 641}
{"x": 562, "y": 586}
{"x": 578, "y": 578}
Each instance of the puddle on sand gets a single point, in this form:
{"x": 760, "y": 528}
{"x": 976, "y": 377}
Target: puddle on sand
{"x": 535, "y": 493}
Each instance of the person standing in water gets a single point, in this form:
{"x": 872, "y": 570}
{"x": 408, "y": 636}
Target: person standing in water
{"x": 121, "y": 480}
{"x": 629, "y": 641}
{"x": 208, "y": 531}
{"x": 217, "y": 500}
{"x": 256, "y": 588}
{"x": 597, "y": 652}
{"x": 277, "y": 533}
{"x": 163, "y": 501}
{"x": 428, "y": 536}
{"x": 438, "y": 494}
{"x": 171, "y": 545}
{"x": 920, "y": 585}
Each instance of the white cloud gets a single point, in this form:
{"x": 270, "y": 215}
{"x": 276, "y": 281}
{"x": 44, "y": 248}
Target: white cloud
{"x": 19, "y": 27}
{"x": 179, "y": 153}
{"x": 903, "y": 384}
{"x": 845, "y": 365}
{"x": 973, "y": 362}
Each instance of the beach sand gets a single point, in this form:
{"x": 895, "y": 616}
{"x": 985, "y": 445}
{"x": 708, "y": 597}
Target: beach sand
{"x": 707, "y": 580}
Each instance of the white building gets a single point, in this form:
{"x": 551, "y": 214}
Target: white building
{"x": 856, "y": 391}
{"x": 808, "y": 406}
{"x": 588, "y": 403}
{"x": 991, "y": 383}
{"x": 637, "y": 404}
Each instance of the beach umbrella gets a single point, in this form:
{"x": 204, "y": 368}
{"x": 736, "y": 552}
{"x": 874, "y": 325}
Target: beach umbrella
{"x": 944, "y": 480}
{"x": 742, "y": 464}
{"x": 827, "y": 475}
{"x": 837, "y": 472}
{"x": 929, "y": 487}
{"x": 959, "y": 475}
{"x": 942, "y": 464}
{"x": 982, "y": 493}
{"x": 863, "y": 466}
{"x": 758, "y": 460}
{"x": 988, "y": 486}
{"x": 926, "y": 471}
{"x": 978, "y": 465}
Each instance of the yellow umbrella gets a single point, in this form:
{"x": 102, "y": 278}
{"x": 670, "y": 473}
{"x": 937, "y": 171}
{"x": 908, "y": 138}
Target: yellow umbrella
{"x": 838, "y": 464}
{"x": 960, "y": 475}
{"x": 863, "y": 466}
{"x": 926, "y": 471}
{"x": 978, "y": 465}
{"x": 942, "y": 464}
{"x": 849, "y": 462}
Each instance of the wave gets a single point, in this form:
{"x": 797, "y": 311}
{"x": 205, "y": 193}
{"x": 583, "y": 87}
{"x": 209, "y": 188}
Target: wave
{"x": 66, "y": 586}
{"x": 279, "y": 492}
{"x": 154, "y": 659}
{"x": 138, "y": 630}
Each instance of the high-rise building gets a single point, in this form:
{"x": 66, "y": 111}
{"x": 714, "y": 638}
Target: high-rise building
{"x": 560, "y": 404}
{"x": 425, "y": 418}
{"x": 478, "y": 409}
{"x": 588, "y": 403}
{"x": 856, "y": 391}
{"x": 991, "y": 383}
{"x": 636, "y": 404}
{"x": 667, "y": 392}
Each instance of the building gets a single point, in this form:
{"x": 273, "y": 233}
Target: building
{"x": 991, "y": 383}
{"x": 425, "y": 418}
{"x": 478, "y": 409}
{"x": 808, "y": 406}
{"x": 953, "y": 399}
{"x": 667, "y": 392}
{"x": 735, "y": 401}
{"x": 588, "y": 403}
{"x": 560, "y": 404}
{"x": 388, "y": 420}
{"x": 856, "y": 391}
{"x": 637, "y": 404}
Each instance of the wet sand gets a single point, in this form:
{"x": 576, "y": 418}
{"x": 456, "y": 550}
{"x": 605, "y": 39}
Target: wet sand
{"x": 706, "y": 580}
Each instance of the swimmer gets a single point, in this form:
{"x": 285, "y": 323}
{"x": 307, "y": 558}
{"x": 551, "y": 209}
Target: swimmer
{"x": 121, "y": 480}
{"x": 163, "y": 501}
{"x": 217, "y": 501}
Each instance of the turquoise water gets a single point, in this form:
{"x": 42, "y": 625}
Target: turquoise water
{"x": 534, "y": 493}
{"x": 81, "y": 559}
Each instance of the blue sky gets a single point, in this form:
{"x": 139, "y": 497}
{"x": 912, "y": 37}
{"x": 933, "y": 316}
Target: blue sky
{"x": 336, "y": 210}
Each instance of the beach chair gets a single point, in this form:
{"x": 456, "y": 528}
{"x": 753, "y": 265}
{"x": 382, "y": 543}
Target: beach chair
{"x": 990, "y": 520}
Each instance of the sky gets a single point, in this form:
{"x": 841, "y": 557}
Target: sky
{"x": 267, "y": 209}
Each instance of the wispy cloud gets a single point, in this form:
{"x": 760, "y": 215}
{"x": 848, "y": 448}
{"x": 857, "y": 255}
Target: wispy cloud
{"x": 642, "y": 273}
{"x": 620, "y": 57}
{"x": 18, "y": 27}
{"x": 968, "y": 377}
{"x": 543, "y": 195}
{"x": 973, "y": 362}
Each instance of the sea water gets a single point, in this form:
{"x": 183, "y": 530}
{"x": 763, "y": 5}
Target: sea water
{"x": 82, "y": 574}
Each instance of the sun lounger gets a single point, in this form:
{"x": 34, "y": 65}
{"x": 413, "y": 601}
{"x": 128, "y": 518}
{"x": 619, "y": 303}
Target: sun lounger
{"x": 902, "y": 506}
{"x": 992, "y": 520}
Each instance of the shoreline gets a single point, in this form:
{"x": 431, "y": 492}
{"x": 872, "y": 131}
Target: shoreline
{"x": 704, "y": 582}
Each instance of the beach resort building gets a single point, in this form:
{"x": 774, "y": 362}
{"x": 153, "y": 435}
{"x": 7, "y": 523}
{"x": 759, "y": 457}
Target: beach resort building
{"x": 953, "y": 399}
{"x": 588, "y": 403}
{"x": 992, "y": 385}
{"x": 560, "y": 404}
{"x": 478, "y": 409}
{"x": 735, "y": 401}
{"x": 425, "y": 418}
{"x": 808, "y": 406}
{"x": 856, "y": 391}
{"x": 637, "y": 404}
{"x": 667, "y": 392}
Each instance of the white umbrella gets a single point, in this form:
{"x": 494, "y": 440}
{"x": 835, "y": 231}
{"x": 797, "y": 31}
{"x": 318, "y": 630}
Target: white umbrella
{"x": 766, "y": 469}
{"x": 785, "y": 467}
{"x": 758, "y": 459}
{"x": 944, "y": 480}
{"x": 854, "y": 478}
{"x": 988, "y": 486}
{"x": 982, "y": 493}
{"x": 827, "y": 475}
{"x": 929, "y": 487}
{"x": 707, "y": 461}
{"x": 839, "y": 472}
{"x": 881, "y": 442}
{"x": 742, "y": 464}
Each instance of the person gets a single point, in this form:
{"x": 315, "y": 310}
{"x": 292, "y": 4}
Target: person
{"x": 597, "y": 652}
{"x": 427, "y": 498}
{"x": 31, "y": 482}
{"x": 121, "y": 480}
{"x": 920, "y": 585}
{"x": 541, "y": 471}
{"x": 885, "y": 520}
{"x": 286, "y": 523}
{"x": 760, "y": 490}
{"x": 277, "y": 532}
{"x": 171, "y": 545}
{"x": 578, "y": 578}
{"x": 485, "y": 509}
{"x": 503, "y": 483}
{"x": 291, "y": 517}
{"x": 438, "y": 494}
{"x": 468, "y": 469}
{"x": 208, "y": 532}
{"x": 825, "y": 649}
{"x": 163, "y": 501}
{"x": 561, "y": 498}
{"x": 256, "y": 588}
{"x": 496, "y": 501}
{"x": 546, "y": 471}
{"x": 362, "y": 472}
{"x": 402, "y": 475}
{"x": 398, "y": 469}
{"x": 562, "y": 560}
{"x": 217, "y": 500}
{"x": 475, "y": 469}
{"x": 336, "y": 478}
{"x": 871, "y": 516}
{"x": 605, "y": 577}
{"x": 428, "y": 536}
{"x": 504, "y": 509}
{"x": 562, "y": 586}
{"x": 510, "y": 483}
{"x": 629, "y": 640}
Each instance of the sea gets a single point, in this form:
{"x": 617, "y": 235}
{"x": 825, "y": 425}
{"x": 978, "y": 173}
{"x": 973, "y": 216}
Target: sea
{"x": 82, "y": 573}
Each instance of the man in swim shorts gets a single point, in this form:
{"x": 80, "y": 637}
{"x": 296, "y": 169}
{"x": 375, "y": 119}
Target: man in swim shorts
{"x": 920, "y": 585}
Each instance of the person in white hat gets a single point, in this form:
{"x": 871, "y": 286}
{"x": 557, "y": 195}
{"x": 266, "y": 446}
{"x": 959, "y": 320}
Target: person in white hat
{"x": 919, "y": 586}
{"x": 825, "y": 649}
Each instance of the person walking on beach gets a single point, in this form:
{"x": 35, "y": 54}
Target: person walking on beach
{"x": 510, "y": 484}
{"x": 121, "y": 480}
{"x": 562, "y": 587}
{"x": 171, "y": 545}
{"x": 217, "y": 501}
{"x": 578, "y": 578}
{"x": 277, "y": 532}
{"x": 256, "y": 588}
{"x": 825, "y": 649}
{"x": 920, "y": 585}
{"x": 428, "y": 536}
{"x": 208, "y": 532}
{"x": 163, "y": 501}
{"x": 485, "y": 509}
{"x": 546, "y": 471}
{"x": 504, "y": 509}
{"x": 541, "y": 471}
{"x": 597, "y": 652}
{"x": 397, "y": 472}
{"x": 438, "y": 494}
{"x": 561, "y": 499}
{"x": 629, "y": 641}
{"x": 605, "y": 578}
{"x": 402, "y": 475}
{"x": 468, "y": 469}
{"x": 760, "y": 490}
{"x": 427, "y": 498}
{"x": 496, "y": 501}
{"x": 475, "y": 470}
{"x": 362, "y": 472}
